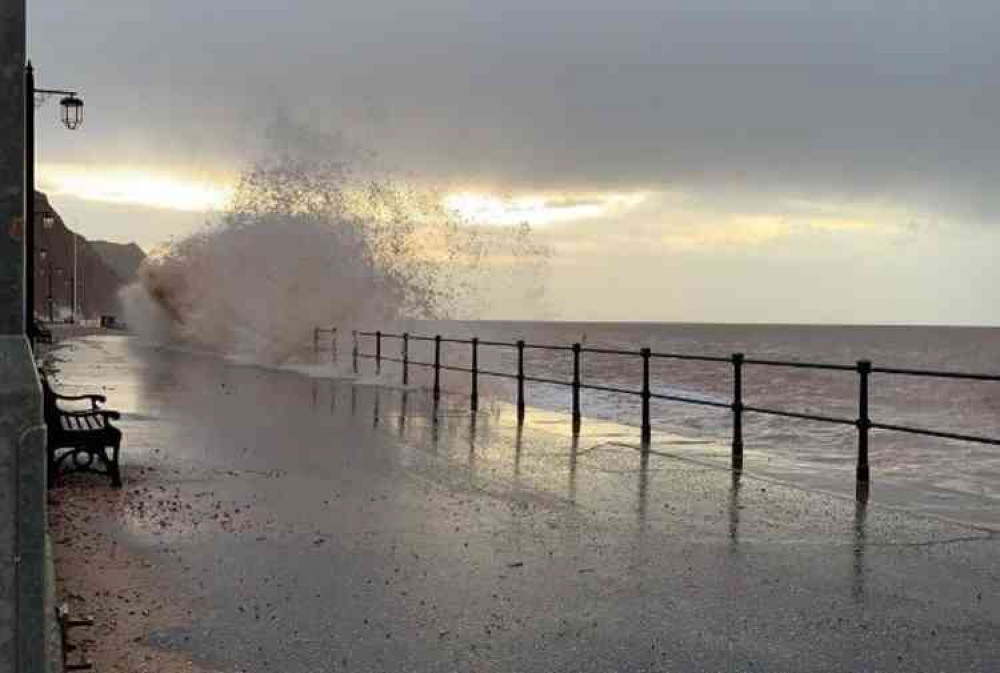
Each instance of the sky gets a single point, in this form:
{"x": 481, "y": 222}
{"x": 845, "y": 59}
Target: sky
{"x": 685, "y": 160}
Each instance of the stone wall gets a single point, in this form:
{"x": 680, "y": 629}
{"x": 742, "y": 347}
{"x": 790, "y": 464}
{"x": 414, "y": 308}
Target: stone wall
{"x": 22, "y": 436}
{"x": 22, "y": 511}
{"x": 11, "y": 164}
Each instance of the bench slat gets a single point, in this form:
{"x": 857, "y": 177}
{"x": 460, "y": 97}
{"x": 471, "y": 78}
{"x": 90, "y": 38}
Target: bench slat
{"x": 82, "y": 422}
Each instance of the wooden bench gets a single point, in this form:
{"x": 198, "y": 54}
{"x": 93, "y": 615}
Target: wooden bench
{"x": 77, "y": 438}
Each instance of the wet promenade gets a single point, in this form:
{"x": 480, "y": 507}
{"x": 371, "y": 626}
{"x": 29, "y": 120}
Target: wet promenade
{"x": 302, "y": 525}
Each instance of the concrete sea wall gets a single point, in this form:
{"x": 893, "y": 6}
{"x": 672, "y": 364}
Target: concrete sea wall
{"x": 25, "y": 612}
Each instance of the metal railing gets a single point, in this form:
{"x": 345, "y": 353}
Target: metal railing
{"x": 318, "y": 342}
{"x": 864, "y": 370}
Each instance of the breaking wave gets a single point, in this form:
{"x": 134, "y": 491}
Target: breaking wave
{"x": 313, "y": 238}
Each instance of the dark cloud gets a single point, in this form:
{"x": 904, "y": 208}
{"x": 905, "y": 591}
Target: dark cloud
{"x": 893, "y": 101}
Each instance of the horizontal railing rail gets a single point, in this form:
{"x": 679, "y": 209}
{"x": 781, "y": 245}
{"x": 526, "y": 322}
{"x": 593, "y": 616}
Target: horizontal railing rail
{"x": 738, "y": 362}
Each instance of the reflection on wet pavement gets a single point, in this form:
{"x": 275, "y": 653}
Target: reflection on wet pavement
{"x": 319, "y": 526}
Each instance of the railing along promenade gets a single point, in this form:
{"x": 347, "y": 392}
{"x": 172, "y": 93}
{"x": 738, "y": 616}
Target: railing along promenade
{"x": 863, "y": 369}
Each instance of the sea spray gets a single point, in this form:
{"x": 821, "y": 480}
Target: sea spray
{"x": 311, "y": 238}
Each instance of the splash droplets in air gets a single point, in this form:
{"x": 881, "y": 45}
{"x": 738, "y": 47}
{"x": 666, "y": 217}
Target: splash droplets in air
{"x": 312, "y": 240}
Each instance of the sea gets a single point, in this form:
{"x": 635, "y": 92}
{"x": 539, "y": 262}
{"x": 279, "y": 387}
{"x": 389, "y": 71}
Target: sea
{"x": 949, "y": 478}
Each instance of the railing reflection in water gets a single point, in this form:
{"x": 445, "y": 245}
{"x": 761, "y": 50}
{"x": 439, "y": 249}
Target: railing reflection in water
{"x": 737, "y": 408}
{"x": 405, "y": 412}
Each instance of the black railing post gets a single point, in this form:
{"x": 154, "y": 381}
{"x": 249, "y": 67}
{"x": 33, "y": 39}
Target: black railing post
{"x": 737, "y": 407}
{"x": 864, "y": 424}
{"x": 378, "y": 353}
{"x": 354, "y": 350}
{"x": 647, "y": 430}
{"x": 437, "y": 367}
{"x": 316, "y": 344}
{"x": 474, "y": 395}
{"x": 576, "y": 389}
{"x": 520, "y": 382}
{"x": 406, "y": 358}
{"x": 333, "y": 345}
{"x": 402, "y": 413}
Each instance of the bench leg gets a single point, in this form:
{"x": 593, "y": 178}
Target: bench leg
{"x": 112, "y": 463}
{"x": 105, "y": 450}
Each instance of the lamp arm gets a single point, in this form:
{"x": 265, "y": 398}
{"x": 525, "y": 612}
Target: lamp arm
{"x": 56, "y": 92}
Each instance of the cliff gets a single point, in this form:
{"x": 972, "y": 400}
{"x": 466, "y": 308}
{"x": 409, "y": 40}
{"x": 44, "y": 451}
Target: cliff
{"x": 64, "y": 258}
{"x": 122, "y": 258}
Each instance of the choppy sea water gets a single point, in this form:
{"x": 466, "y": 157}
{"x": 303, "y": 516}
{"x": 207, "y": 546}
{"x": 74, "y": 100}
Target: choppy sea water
{"x": 948, "y": 477}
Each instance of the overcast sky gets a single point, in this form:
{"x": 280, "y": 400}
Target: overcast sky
{"x": 696, "y": 159}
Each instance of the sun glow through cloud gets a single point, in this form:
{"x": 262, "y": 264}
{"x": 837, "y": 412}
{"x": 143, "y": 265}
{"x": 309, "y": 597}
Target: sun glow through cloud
{"x": 163, "y": 190}
{"x": 680, "y": 220}
{"x": 479, "y": 208}
{"x": 134, "y": 187}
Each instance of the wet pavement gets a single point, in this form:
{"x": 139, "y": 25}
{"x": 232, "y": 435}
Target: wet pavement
{"x": 305, "y": 525}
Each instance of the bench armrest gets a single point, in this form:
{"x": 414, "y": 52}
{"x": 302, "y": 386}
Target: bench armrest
{"x": 107, "y": 413}
{"x": 94, "y": 399}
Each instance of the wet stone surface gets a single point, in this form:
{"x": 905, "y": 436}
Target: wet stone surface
{"x": 270, "y": 522}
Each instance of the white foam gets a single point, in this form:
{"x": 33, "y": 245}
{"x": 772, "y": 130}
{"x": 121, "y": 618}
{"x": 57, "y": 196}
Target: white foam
{"x": 309, "y": 240}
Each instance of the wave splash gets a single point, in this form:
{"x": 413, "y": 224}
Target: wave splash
{"x": 309, "y": 240}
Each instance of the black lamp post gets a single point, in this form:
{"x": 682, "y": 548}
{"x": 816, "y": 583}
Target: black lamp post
{"x": 71, "y": 116}
{"x": 50, "y": 272}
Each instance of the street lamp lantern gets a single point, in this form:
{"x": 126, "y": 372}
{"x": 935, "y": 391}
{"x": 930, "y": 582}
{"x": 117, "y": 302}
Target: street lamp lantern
{"x": 72, "y": 111}
{"x": 48, "y": 220}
